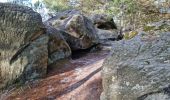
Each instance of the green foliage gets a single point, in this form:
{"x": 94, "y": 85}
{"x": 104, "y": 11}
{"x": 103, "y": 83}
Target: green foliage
{"x": 36, "y": 4}
{"x": 57, "y": 5}
{"x": 86, "y": 6}
{"x": 162, "y": 27}
{"x": 148, "y": 28}
{"x": 136, "y": 13}
{"x": 127, "y": 6}
{"x": 90, "y": 6}
{"x": 130, "y": 35}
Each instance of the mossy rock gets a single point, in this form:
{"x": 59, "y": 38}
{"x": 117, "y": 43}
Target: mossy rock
{"x": 130, "y": 35}
{"x": 164, "y": 27}
{"x": 148, "y": 28}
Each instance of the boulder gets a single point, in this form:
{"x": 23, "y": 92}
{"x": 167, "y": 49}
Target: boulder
{"x": 107, "y": 34}
{"x": 103, "y": 21}
{"x": 106, "y": 27}
{"x": 23, "y": 45}
{"x": 78, "y": 30}
{"x": 138, "y": 69}
{"x": 57, "y": 46}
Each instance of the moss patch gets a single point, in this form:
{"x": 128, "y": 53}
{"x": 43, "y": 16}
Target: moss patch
{"x": 130, "y": 35}
{"x": 148, "y": 28}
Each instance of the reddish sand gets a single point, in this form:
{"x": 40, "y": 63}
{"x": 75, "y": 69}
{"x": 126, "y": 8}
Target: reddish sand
{"x": 78, "y": 79}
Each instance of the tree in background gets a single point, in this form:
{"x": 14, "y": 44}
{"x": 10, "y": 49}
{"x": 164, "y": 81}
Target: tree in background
{"x": 57, "y": 5}
{"x": 91, "y": 6}
{"x": 134, "y": 13}
{"x": 137, "y": 13}
{"x": 86, "y": 6}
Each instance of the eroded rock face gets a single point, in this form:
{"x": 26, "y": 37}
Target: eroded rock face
{"x": 102, "y": 21}
{"x": 78, "y": 30}
{"x": 138, "y": 69}
{"x": 106, "y": 27}
{"x": 57, "y": 46}
{"x": 107, "y": 34}
{"x": 23, "y": 45}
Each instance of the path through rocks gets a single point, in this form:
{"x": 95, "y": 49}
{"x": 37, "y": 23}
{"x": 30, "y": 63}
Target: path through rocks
{"x": 73, "y": 79}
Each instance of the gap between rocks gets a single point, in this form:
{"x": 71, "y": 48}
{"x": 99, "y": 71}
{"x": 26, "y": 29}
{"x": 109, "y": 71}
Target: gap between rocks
{"x": 77, "y": 78}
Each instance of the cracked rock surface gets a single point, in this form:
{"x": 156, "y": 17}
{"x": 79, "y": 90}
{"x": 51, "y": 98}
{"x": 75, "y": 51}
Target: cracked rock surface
{"x": 23, "y": 45}
{"x": 138, "y": 69}
{"x": 77, "y": 29}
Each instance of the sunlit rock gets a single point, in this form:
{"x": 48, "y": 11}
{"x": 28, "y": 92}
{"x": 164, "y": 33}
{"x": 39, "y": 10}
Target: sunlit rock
{"x": 78, "y": 30}
{"x": 138, "y": 69}
{"x": 23, "y": 45}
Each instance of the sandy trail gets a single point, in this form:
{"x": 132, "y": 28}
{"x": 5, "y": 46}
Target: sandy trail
{"x": 76, "y": 79}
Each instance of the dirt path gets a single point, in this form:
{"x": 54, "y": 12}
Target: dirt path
{"x": 77, "y": 79}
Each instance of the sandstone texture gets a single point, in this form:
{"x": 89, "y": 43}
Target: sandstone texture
{"x": 138, "y": 69}
{"x": 78, "y": 30}
{"x": 57, "y": 46}
{"x": 23, "y": 45}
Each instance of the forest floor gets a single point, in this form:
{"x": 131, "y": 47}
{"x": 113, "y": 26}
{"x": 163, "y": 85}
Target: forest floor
{"x": 78, "y": 78}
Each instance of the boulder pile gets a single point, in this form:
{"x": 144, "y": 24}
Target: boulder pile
{"x": 28, "y": 46}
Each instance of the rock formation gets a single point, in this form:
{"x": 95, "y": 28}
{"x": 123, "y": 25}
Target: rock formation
{"x": 103, "y": 21}
{"x": 23, "y": 45}
{"x": 78, "y": 30}
{"x": 27, "y": 46}
{"x": 106, "y": 27}
{"x": 138, "y": 69}
{"x": 57, "y": 46}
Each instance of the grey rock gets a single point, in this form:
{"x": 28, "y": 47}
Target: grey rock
{"x": 78, "y": 30}
{"x": 57, "y": 46}
{"x": 138, "y": 69}
{"x": 107, "y": 34}
{"x": 23, "y": 45}
{"x": 103, "y": 21}
{"x": 106, "y": 27}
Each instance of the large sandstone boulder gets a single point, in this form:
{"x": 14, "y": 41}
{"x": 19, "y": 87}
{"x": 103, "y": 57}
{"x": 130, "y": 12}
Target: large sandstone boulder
{"x": 78, "y": 30}
{"x": 57, "y": 46}
{"x": 23, "y": 45}
{"x": 138, "y": 69}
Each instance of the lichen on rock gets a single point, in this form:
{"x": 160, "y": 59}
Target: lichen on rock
{"x": 77, "y": 29}
{"x": 137, "y": 67}
{"x": 23, "y": 45}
